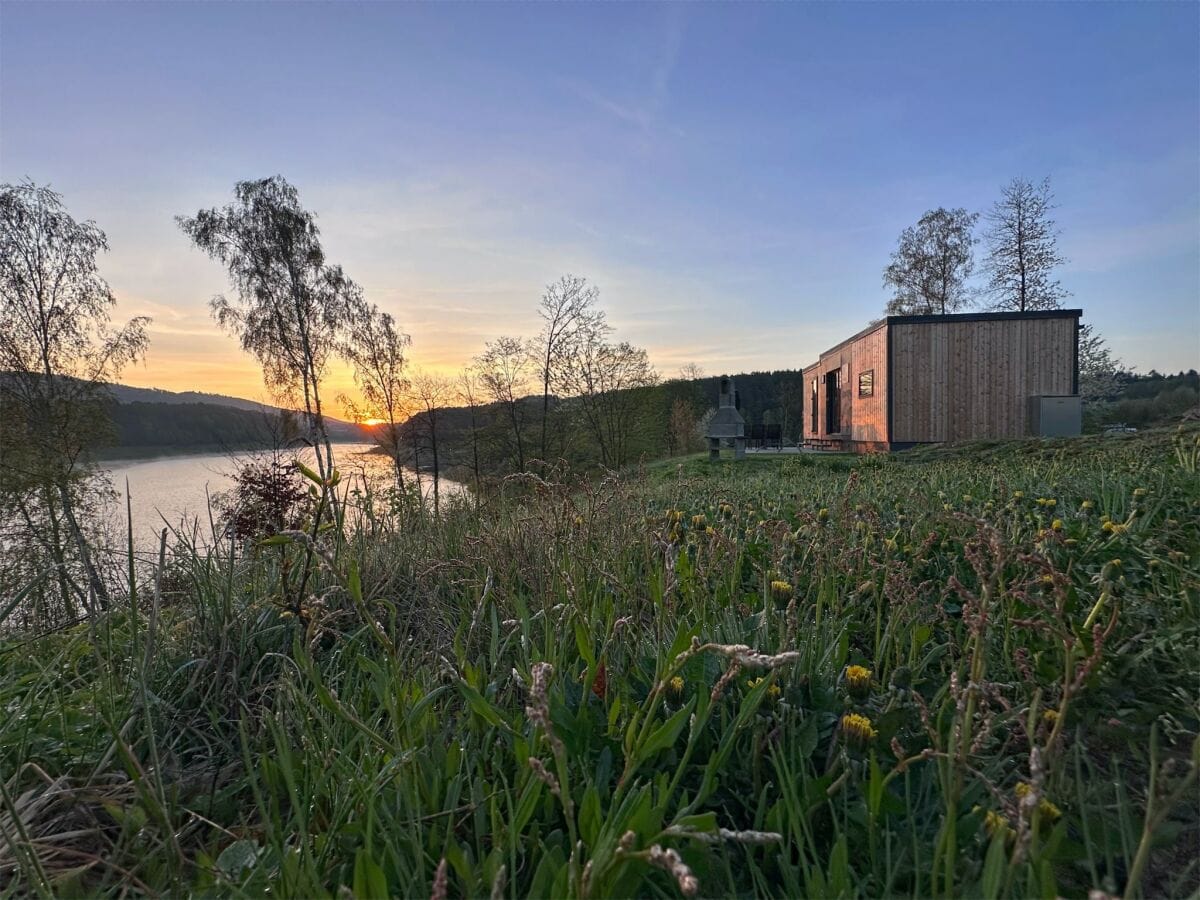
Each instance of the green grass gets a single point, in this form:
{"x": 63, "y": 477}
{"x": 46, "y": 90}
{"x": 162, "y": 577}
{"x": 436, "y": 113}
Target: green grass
{"x": 638, "y": 687}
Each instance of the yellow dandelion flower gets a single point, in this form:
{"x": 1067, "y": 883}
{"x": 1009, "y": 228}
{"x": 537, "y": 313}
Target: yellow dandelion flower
{"x": 858, "y": 680}
{"x": 676, "y": 685}
{"x": 1057, "y": 524}
{"x": 1139, "y": 492}
{"x": 709, "y": 530}
{"x": 822, "y": 514}
{"x": 1049, "y": 811}
{"x": 781, "y": 590}
{"x": 1017, "y": 495}
{"x": 858, "y": 730}
{"x": 1108, "y": 527}
{"x": 699, "y": 521}
{"x": 1050, "y": 716}
{"x": 1087, "y": 504}
{"x": 967, "y": 498}
{"x": 995, "y": 823}
{"x": 773, "y": 690}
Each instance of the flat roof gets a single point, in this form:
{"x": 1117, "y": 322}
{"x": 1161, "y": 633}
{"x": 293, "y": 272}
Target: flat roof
{"x": 949, "y": 317}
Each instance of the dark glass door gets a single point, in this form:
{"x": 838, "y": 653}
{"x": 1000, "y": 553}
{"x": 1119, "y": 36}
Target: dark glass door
{"x": 833, "y": 402}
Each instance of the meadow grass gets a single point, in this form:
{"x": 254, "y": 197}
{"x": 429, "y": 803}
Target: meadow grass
{"x": 942, "y": 674}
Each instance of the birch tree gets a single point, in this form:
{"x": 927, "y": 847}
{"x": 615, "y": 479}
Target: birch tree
{"x": 291, "y": 306}
{"x": 931, "y": 264}
{"x": 57, "y": 355}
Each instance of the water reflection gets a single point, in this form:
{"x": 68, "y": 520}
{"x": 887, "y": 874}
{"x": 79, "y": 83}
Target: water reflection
{"x": 177, "y": 490}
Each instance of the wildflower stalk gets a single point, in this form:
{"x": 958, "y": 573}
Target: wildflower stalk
{"x": 1156, "y": 812}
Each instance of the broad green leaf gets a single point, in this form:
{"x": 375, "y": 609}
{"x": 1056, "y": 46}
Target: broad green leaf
{"x": 481, "y": 707}
{"x": 369, "y": 880}
{"x": 665, "y": 735}
{"x": 994, "y": 866}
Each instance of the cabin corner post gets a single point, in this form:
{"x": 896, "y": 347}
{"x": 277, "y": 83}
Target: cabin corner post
{"x": 1075, "y": 360}
{"x": 887, "y": 327}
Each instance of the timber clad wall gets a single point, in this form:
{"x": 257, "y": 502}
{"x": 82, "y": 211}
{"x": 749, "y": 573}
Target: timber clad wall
{"x": 863, "y": 418}
{"x": 944, "y": 378}
{"x": 957, "y": 381}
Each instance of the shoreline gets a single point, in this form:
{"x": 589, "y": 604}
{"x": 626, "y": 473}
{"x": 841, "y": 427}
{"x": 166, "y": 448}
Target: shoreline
{"x": 110, "y": 455}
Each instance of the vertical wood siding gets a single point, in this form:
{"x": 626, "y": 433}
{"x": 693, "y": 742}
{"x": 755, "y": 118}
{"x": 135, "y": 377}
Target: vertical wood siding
{"x": 863, "y": 418}
{"x": 956, "y": 381}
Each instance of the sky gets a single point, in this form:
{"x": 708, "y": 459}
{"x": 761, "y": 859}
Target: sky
{"x": 733, "y": 177}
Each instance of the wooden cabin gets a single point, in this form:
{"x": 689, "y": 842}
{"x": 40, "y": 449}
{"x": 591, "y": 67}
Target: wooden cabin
{"x": 908, "y": 380}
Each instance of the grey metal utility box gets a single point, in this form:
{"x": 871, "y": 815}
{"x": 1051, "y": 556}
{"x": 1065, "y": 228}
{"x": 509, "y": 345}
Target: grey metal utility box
{"x": 1055, "y": 416}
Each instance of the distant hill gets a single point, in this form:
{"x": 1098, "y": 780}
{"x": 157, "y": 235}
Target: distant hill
{"x": 151, "y": 420}
{"x": 123, "y": 393}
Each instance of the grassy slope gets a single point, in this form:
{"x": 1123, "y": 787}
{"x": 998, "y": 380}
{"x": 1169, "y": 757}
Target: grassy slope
{"x": 384, "y": 732}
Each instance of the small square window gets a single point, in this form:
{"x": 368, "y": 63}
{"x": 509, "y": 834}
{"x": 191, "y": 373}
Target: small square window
{"x": 866, "y": 383}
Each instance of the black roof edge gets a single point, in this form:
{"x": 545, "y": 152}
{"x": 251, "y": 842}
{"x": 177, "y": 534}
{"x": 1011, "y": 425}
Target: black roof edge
{"x": 950, "y": 317}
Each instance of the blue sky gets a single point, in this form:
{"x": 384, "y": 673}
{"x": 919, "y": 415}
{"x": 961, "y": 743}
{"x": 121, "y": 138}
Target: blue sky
{"x": 733, "y": 177}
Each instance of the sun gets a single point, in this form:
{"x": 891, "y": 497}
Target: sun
{"x": 372, "y": 421}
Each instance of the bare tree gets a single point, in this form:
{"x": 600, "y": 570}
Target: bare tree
{"x": 376, "y": 348}
{"x": 432, "y": 392}
{"x": 292, "y": 305}
{"x": 503, "y": 370}
{"x": 1022, "y": 245}
{"x": 931, "y": 264}
{"x": 568, "y": 312}
{"x": 57, "y": 354}
{"x": 605, "y": 378}
{"x": 470, "y": 394}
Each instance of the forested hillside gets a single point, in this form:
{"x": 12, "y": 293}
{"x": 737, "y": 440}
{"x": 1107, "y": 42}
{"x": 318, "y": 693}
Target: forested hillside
{"x": 628, "y": 426}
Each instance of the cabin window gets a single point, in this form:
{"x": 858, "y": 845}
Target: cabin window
{"x": 814, "y": 407}
{"x": 866, "y": 383}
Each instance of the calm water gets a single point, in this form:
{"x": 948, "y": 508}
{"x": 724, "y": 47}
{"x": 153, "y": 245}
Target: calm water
{"x": 176, "y": 489}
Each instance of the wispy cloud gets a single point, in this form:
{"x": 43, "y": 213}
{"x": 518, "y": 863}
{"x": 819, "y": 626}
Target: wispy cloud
{"x": 645, "y": 111}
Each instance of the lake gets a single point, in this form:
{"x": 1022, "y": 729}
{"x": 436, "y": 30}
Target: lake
{"x": 175, "y": 489}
